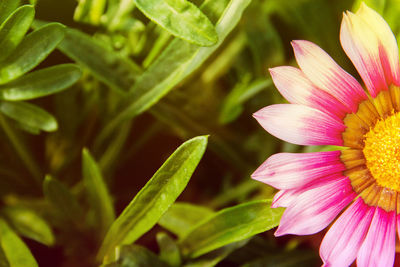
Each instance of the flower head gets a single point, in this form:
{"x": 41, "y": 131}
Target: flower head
{"x": 330, "y": 107}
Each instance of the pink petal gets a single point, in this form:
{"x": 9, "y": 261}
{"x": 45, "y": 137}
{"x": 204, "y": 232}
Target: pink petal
{"x": 298, "y": 89}
{"x": 300, "y": 125}
{"x": 343, "y": 240}
{"x": 316, "y": 208}
{"x": 286, "y": 197}
{"x": 283, "y": 198}
{"x": 378, "y": 248}
{"x": 372, "y": 47}
{"x": 293, "y": 170}
{"x": 323, "y": 71}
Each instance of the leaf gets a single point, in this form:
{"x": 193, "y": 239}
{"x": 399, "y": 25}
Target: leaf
{"x": 169, "y": 250}
{"x": 6, "y": 8}
{"x": 14, "y": 249}
{"x": 137, "y": 256}
{"x": 29, "y": 114}
{"x": 98, "y": 194}
{"x": 233, "y": 103}
{"x": 286, "y": 259}
{"x": 156, "y": 196}
{"x": 176, "y": 63}
{"x": 13, "y": 30}
{"x": 90, "y": 11}
{"x": 58, "y": 195}
{"x": 182, "y": 19}
{"x": 41, "y": 83}
{"x": 105, "y": 64}
{"x": 27, "y": 223}
{"x": 181, "y": 217}
{"x": 230, "y": 225}
{"x": 214, "y": 257}
{"x": 31, "y": 51}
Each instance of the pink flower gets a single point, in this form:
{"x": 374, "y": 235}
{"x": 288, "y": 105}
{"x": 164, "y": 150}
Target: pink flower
{"x": 329, "y": 107}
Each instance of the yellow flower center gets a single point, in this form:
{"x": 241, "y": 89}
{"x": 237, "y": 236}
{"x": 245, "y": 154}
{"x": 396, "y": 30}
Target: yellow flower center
{"x": 382, "y": 151}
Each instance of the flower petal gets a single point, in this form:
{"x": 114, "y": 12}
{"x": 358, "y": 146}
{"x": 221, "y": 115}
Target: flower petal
{"x": 298, "y": 89}
{"x": 293, "y": 170}
{"x": 316, "y": 208}
{"x": 300, "y": 125}
{"x": 372, "y": 47}
{"x": 343, "y": 240}
{"x": 378, "y": 248}
{"x": 325, "y": 73}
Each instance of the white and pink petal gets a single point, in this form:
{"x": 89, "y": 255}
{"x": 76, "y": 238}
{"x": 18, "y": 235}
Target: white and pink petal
{"x": 326, "y": 74}
{"x": 372, "y": 47}
{"x": 316, "y": 208}
{"x": 344, "y": 239}
{"x": 298, "y": 89}
{"x": 294, "y": 170}
{"x": 301, "y": 125}
{"x": 378, "y": 248}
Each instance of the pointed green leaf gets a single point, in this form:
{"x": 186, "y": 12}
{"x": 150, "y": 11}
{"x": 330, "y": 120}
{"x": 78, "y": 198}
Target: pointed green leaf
{"x": 62, "y": 199}
{"x": 29, "y": 224}
{"x": 214, "y": 257}
{"x": 29, "y": 114}
{"x": 181, "y": 18}
{"x": 105, "y": 64}
{"x": 14, "y": 28}
{"x": 41, "y": 83}
{"x": 90, "y": 11}
{"x": 137, "y": 256}
{"x": 230, "y": 225}
{"x": 6, "y": 8}
{"x": 176, "y": 63}
{"x": 99, "y": 197}
{"x": 15, "y": 250}
{"x": 286, "y": 259}
{"x": 33, "y": 49}
{"x": 156, "y": 196}
{"x": 181, "y": 217}
{"x": 169, "y": 250}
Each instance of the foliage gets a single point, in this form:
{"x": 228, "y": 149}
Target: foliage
{"x": 127, "y": 136}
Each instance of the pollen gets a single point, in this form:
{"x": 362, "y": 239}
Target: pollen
{"x": 382, "y": 151}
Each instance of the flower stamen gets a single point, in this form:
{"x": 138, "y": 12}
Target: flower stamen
{"x": 382, "y": 151}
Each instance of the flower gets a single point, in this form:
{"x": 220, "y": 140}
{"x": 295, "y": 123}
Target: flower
{"x": 329, "y": 107}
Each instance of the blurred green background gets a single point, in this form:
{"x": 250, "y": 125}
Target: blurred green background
{"x": 139, "y": 83}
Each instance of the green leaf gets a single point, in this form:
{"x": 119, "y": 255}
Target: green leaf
{"x": 169, "y": 250}
{"x": 99, "y": 197}
{"x": 13, "y": 30}
{"x": 14, "y": 249}
{"x": 286, "y": 259}
{"x": 6, "y": 8}
{"x": 137, "y": 256}
{"x": 181, "y": 18}
{"x": 181, "y": 217}
{"x": 29, "y": 224}
{"x": 41, "y": 83}
{"x": 214, "y": 257}
{"x": 176, "y": 63}
{"x": 156, "y": 196}
{"x": 33, "y": 49}
{"x": 230, "y": 225}
{"x": 90, "y": 11}
{"x": 105, "y": 64}
{"x": 233, "y": 104}
{"x": 58, "y": 195}
{"x": 30, "y": 115}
